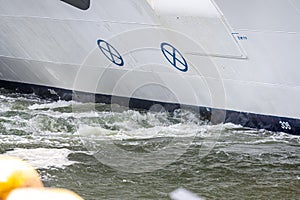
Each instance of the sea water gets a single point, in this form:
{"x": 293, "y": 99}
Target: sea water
{"x": 104, "y": 151}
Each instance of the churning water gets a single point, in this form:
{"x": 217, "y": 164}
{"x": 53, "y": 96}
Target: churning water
{"x": 112, "y": 153}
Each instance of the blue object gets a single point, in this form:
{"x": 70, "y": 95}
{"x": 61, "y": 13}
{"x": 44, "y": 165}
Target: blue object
{"x": 174, "y": 57}
{"x": 110, "y": 52}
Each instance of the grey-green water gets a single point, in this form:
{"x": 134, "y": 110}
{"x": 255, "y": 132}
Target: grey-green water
{"x": 106, "y": 153}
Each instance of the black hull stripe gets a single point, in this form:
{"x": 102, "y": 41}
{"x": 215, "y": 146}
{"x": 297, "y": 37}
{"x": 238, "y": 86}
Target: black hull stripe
{"x": 251, "y": 120}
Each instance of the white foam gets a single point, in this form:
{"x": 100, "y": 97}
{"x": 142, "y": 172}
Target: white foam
{"x": 4, "y": 107}
{"x": 42, "y": 158}
{"x": 177, "y": 130}
{"x": 57, "y": 104}
{"x": 21, "y": 98}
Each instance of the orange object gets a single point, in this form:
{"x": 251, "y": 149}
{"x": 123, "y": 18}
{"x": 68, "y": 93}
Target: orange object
{"x": 15, "y": 173}
{"x": 42, "y": 194}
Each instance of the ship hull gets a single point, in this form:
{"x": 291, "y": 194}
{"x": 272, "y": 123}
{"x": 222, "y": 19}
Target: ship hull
{"x": 230, "y": 67}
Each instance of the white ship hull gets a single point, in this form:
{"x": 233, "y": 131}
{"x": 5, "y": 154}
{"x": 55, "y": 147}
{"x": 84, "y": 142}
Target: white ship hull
{"x": 237, "y": 60}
